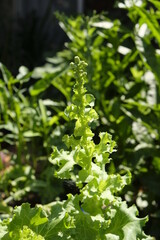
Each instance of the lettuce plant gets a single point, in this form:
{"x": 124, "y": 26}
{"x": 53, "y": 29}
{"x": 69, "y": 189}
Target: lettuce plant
{"x": 97, "y": 206}
{"x": 123, "y": 74}
{"x": 96, "y": 212}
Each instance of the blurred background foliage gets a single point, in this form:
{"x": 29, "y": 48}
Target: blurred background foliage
{"x": 122, "y": 49}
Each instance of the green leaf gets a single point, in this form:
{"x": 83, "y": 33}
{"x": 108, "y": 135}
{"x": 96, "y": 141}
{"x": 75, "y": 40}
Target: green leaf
{"x": 26, "y": 222}
{"x": 50, "y": 78}
{"x": 65, "y": 161}
{"x": 126, "y": 225}
{"x": 156, "y": 3}
{"x": 6, "y": 74}
{"x": 151, "y": 21}
{"x": 3, "y": 230}
{"x": 30, "y": 134}
{"x": 104, "y": 148}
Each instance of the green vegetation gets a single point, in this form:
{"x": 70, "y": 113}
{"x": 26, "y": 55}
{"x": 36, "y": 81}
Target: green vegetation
{"x": 123, "y": 76}
{"x": 96, "y": 211}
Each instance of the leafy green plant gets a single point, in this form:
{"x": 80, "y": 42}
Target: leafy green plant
{"x": 27, "y": 130}
{"x": 96, "y": 212}
{"x": 123, "y": 75}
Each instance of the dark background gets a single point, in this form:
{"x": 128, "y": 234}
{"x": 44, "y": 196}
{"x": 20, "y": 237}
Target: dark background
{"x": 29, "y": 30}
